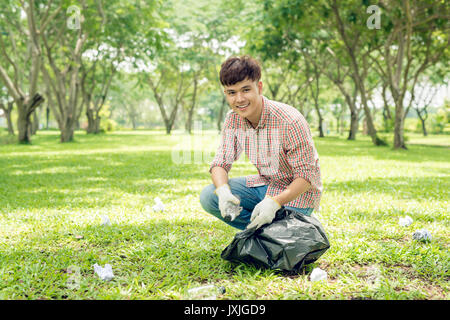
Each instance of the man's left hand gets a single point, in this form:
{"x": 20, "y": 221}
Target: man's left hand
{"x": 264, "y": 212}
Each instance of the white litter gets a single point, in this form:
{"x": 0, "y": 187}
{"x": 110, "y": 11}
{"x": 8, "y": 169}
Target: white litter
{"x": 159, "y": 206}
{"x": 318, "y": 274}
{"x": 106, "y": 221}
{"x": 208, "y": 292}
{"x": 406, "y": 221}
{"x": 232, "y": 211}
{"x": 422, "y": 235}
{"x": 105, "y": 273}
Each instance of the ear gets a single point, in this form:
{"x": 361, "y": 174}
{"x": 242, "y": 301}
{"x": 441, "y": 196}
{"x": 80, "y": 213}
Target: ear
{"x": 260, "y": 86}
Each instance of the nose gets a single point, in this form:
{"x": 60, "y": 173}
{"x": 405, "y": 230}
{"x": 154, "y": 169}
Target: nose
{"x": 239, "y": 97}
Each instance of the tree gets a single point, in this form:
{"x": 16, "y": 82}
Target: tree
{"x": 352, "y": 33}
{"x": 63, "y": 53}
{"x": 95, "y": 87}
{"x": 7, "y": 108}
{"x": 337, "y": 109}
{"x": 124, "y": 25}
{"x": 425, "y": 93}
{"x": 310, "y": 28}
{"x": 313, "y": 74}
{"x": 416, "y": 38}
{"x": 24, "y": 89}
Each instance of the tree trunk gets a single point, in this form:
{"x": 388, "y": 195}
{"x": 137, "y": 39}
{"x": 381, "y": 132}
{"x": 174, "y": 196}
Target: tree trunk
{"x": 9, "y": 123}
{"x": 97, "y": 124}
{"x": 371, "y": 131}
{"x": 25, "y": 109}
{"x": 7, "y": 111}
{"x": 422, "y": 120}
{"x": 93, "y": 123}
{"x": 386, "y": 110}
{"x": 188, "y": 125}
{"x": 354, "y": 120}
{"x": 321, "y": 135}
{"x": 132, "y": 114}
{"x": 47, "y": 116}
{"x": 220, "y": 117}
{"x": 67, "y": 131}
{"x": 192, "y": 108}
{"x": 24, "y": 128}
{"x": 91, "y": 120}
{"x": 66, "y": 135}
{"x": 399, "y": 141}
{"x": 424, "y": 129}
{"x": 168, "y": 127}
{"x": 35, "y": 123}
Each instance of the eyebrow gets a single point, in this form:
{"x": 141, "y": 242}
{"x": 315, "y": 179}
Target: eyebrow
{"x": 244, "y": 87}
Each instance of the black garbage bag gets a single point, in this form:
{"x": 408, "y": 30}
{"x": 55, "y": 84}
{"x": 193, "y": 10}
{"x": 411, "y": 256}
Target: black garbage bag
{"x": 290, "y": 242}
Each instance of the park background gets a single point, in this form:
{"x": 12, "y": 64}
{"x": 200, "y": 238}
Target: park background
{"x": 106, "y": 105}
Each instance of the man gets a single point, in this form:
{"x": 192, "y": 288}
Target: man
{"x": 276, "y": 139}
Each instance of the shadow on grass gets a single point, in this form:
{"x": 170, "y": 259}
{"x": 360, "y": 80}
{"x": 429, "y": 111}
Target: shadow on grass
{"x": 164, "y": 255}
{"x": 81, "y": 181}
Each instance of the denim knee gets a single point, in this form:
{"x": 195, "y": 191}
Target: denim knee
{"x": 207, "y": 198}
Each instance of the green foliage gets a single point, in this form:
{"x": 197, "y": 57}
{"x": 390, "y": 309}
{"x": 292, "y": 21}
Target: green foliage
{"x": 439, "y": 121}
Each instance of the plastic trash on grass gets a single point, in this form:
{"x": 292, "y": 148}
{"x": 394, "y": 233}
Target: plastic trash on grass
{"x": 406, "y": 221}
{"x": 159, "y": 206}
{"x": 106, "y": 221}
{"x": 105, "y": 273}
{"x": 208, "y": 292}
{"x": 318, "y": 274}
{"x": 422, "y": 235}
{"x": 232, "y": 211}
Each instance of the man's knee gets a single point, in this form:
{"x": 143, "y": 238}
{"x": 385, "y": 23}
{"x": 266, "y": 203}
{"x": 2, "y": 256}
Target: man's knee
{"x": 207, "y": 198}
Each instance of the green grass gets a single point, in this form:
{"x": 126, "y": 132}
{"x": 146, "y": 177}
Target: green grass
{"x": 50, "y": 193}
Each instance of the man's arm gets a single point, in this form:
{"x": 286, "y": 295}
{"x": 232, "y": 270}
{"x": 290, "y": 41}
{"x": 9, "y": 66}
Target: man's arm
{"x": 293, "y": 191}
{"x": 219, "y": 176}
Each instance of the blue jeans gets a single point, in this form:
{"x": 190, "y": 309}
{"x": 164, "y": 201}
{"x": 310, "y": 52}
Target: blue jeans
{"x": 250, "y": 197}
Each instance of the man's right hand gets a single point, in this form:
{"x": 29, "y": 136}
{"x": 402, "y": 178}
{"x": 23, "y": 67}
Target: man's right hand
{"x": 227, "y": 202}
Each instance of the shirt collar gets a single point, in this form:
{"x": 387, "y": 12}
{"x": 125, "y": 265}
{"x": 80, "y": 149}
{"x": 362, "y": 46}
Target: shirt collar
{"x": 264, "y": 115}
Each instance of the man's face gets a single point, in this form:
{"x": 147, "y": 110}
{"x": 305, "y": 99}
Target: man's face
{"x": 244, "y": 98}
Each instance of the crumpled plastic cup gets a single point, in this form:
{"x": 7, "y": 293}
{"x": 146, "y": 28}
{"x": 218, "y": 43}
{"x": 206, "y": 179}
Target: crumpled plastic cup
{"x": 208, "y": 292}
{"x": 318, "y": 274}
{"x": 406, "y": 221}
{"x": 159, "y": 206}
{"x": 422, "y": 235}
{"x": 105, "y": 273}
{"x": 232, "y": 211}
{"x": 106, "y": 221}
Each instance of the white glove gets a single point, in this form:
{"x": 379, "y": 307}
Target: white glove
{"x": 263, "y": 213}
{"x": 228, "y": 203}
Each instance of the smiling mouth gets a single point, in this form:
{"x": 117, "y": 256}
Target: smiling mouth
{"x": 243, "y": 106}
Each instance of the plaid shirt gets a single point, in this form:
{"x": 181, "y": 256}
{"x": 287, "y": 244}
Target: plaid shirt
{"x": 281, "y": 148}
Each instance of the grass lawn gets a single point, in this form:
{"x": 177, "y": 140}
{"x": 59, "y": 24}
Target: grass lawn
{"x": 53, "y": 197}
